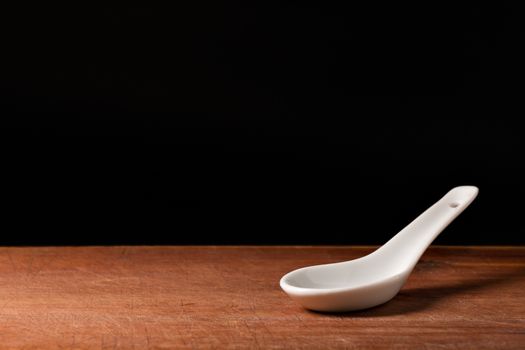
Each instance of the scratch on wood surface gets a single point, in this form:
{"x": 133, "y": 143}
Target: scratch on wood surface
{"x": 124, "y": 251}
{"x": 252, "y": 333}
{"x": 148, "y": 337}
{"x": 45, "y": 262}
{"x": 189, "y": 329}
{"x": 11, "y": 261}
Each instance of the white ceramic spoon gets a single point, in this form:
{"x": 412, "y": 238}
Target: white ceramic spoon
{"x": 376, "y": 278}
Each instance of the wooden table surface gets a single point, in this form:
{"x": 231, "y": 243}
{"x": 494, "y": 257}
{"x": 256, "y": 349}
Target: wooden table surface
{"x": 229, "y": 297}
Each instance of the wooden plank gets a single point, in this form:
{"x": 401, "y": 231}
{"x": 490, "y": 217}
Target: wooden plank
{"x": 229, "y": 297}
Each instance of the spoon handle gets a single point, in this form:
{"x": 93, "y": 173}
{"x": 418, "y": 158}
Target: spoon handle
{"x": 410, "y": 243}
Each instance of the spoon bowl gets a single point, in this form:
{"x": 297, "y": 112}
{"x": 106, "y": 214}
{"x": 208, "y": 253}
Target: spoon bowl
{"x": 376, "y": 278}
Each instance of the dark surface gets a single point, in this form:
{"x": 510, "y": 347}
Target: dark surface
{"x": 304, "y": 123}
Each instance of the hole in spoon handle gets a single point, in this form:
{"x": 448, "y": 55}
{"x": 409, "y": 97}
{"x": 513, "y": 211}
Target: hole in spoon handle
{"x": 460, "y": 197}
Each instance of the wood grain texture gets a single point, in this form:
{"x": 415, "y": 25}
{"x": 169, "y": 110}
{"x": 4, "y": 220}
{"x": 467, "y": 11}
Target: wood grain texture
{"x": 229, "y": 297}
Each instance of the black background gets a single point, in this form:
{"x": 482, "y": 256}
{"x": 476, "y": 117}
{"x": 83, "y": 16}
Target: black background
{"x": 302, "y": 123}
